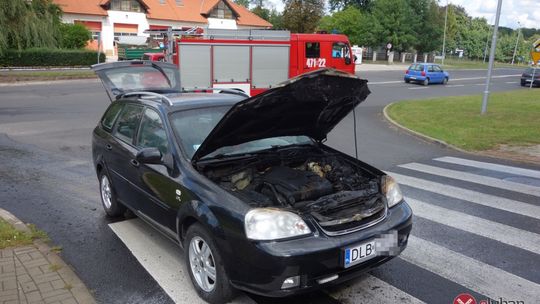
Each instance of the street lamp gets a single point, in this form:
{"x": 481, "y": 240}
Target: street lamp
{"x": 444, "y": 36}
{"x": 491, "y": 57}
{"x": 517, "y": 40}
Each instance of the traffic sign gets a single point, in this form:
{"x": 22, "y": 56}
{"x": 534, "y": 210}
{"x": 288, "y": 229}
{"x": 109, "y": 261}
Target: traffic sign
{"x": 535, "y": 52}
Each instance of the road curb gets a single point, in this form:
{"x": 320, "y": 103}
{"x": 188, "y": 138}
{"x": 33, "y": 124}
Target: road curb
{"x": 442, "y": 143}
{"x": 79, "y": 291}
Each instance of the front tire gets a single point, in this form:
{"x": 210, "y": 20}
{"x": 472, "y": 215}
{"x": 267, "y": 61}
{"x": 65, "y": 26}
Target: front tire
{"x": 205, "y": 266}
{"x": 112, "y": 207}
{"x": 426, "y": 82}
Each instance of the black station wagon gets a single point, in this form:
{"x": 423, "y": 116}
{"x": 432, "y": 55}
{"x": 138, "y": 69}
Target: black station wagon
{"x": 246, "y": 185}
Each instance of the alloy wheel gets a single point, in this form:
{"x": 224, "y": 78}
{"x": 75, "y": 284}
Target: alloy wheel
{"x": 202, "y": 264}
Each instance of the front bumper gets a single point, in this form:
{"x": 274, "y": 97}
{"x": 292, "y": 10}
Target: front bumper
{"x": 527, "y": 81}
{"x": 261, "y": 267}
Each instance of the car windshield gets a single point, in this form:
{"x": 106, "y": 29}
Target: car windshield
{"x": 193, "y": 126}
{"x": 416, "y": 67}
{"x": 530, "y": 71}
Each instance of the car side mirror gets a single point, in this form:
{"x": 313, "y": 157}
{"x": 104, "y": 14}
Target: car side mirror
{"x": 347, "y": 60}
{"x": 149, "y": 156}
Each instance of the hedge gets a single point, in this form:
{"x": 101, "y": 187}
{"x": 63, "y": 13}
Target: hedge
{"x": 49, "y": 57}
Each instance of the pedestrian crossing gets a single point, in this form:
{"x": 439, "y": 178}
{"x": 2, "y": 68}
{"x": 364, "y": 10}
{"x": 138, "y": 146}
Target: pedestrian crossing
{"x": 476, "y": 230}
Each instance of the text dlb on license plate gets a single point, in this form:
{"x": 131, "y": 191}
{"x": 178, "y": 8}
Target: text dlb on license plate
{"x": 359, "y": 253}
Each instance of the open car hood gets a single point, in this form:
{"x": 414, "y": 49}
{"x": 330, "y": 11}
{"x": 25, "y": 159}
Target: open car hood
{"x": 311, "y": 104}
{"x": 134, "y": 76}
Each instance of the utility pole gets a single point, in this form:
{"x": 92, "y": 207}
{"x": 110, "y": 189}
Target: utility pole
{"x": 517, "y": 40}
{"x": 444, "y": 36}
{"x": 491, "y": 57}
{"x": 485, "y": 50}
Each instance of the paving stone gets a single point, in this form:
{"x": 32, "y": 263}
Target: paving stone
{"x": 11, "y": 297}
{"x": 8, "y": 268}
{"x": 54, "y": 293}
{"x": 36, "y": 255}
{"x": 24, "y": 257}
{"x": 36, "y": 263}
{"x": 5, "y": 293}
{"x": 69, "y": 301}
{"x": 45, "y": 287}
{"x": 46, "y": 268}
{"x": 33, "y": 297}
{"x": 24, "y": 278}
{"x": 46, "y": 277}
{"x": 59, "y": 298}
{"x": 34, "y": 271}
{"x": 28, "y": 286}
{"x": 58, "y": 284}
{"x": 25, "y": 249}
{"x": 8, "y": 285}
{"x": 7, "y": 253}
{"x": 12, "y": 302}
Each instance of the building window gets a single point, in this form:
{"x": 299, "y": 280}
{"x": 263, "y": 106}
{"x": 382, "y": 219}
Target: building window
{"x": 221, "y": 11}
{"x": 96, "y": 35}
{"x": 179, "y": 3}
{"x": 126, "y": 5}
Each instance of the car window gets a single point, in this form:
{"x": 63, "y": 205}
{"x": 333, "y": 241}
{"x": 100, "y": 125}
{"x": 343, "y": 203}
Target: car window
{"x": 430, "y": 68}
{"x": 110, "y": 116}
{"x": 437, "y": 68}
{"x": 340, "y": 50}
{"x": 416, "y": 67}
{"x": 127, "y": 123}
{"x": 313, "y": 50}
{"x": 152, "y": 133}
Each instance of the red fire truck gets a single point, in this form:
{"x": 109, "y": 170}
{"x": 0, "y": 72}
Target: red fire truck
{"x": 252, "y": 60}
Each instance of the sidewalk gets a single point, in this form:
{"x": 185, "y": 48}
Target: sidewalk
{"x": 35, "y": 274}
{"x": 382, "y": 67}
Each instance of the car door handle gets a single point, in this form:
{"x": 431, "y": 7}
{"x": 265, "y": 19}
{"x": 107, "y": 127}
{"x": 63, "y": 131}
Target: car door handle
{"x": 108, "y": 147}
{"x": 134, "y": 163}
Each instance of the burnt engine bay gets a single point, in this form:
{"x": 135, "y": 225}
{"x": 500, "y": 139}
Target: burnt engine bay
{"x": 335, "y": 190}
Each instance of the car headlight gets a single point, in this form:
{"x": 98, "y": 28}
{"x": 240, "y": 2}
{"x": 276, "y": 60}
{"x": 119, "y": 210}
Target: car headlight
{"x": 391, "y": 189}
{"x": 273, "y": 224}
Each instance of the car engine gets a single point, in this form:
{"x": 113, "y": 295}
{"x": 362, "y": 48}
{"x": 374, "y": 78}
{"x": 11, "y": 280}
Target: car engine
{"x": 336, "y": 191}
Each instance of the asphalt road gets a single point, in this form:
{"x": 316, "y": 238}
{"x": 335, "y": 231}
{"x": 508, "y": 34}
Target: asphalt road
{"x": 47, "y": 179}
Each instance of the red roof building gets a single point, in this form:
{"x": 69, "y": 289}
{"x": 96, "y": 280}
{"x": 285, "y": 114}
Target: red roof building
{"x": 111, "y": 19}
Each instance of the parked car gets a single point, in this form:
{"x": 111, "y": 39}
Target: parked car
{"x": 527, "y": 77}
{"x": 426, "y": 73}
{"x": 246, "y": 185}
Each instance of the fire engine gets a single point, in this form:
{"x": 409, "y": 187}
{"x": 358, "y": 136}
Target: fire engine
{"x": 250, "y": 60}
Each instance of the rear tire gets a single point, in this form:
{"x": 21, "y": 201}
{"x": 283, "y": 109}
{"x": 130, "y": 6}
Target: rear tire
{"x": 407, "y": 80}
{"x": 110, "y": 204}
{"x": 205, "y": 266}
{"x": 445, "y": 81}
{"x": 426, "y": 81}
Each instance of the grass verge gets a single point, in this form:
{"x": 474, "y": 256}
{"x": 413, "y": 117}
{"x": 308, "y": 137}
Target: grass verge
{"x": 14, "y": 76}
{"x": 512, "y": 119}
{"x": 452, "y": 63}
{"x": 10, "y": 237}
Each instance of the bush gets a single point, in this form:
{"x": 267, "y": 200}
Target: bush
{"x": 49, "y": 57}
{"x": 74, "y": 36}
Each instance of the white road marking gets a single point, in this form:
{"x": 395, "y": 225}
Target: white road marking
{"x": 162, "y": 259}
{"x": 386, "y": 82}
{"x": 490, "y": 166}
{"x": 475, "y": 275}
{"x": 511, "y": 82}
{"x": 475, "y": 178}
{"x": 503, "y": 233}
{"x": 418, "y": 88}
{"x": 479, "y": 198}
{"x": 371, "y": 290}
{"x": 479, "y": 84}
{"x": 454, "y": 85}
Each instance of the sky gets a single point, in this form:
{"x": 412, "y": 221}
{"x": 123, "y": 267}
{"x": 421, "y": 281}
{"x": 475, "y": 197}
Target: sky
{"x": 527, "y": 12}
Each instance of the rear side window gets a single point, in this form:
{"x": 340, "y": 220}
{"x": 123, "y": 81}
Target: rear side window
{"x": 110, "y": 116}
{"x": 437, "y": 68}
{"x": 313, "y": 50}
{"x": 127, "y": 123}
{"x": 430, "y": 69}
{"x": 152, "y": 133}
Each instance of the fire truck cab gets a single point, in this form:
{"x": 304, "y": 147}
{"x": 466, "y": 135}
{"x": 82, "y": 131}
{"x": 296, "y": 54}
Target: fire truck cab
{"x": 255, "y": 60}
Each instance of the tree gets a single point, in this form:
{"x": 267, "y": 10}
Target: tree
{"x": 302, "y": 16}
{"x": 244, "y": 3}
{"x": 261, "y": 11}
{"x": 75, "y": 36}
{"x": 394, "y": 18}
{"x": 26, "y": 24}
{"x": 359, "y": 26}
{"x": 343, "y": 4}
{"x": 276, "y": 18}
{"x": 428, "y": 24}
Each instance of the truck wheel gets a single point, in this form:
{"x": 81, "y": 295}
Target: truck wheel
{"x": 205, "y": 266}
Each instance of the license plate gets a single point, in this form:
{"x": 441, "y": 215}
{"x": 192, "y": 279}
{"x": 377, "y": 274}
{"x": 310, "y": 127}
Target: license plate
{"x": 528, "y": 80}
{"x": 412, "y": 77}
{"x": 359, "y": 253}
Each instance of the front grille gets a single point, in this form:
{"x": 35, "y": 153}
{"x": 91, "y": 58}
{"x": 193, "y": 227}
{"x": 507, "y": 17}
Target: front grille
{"x": 354, "y": 225}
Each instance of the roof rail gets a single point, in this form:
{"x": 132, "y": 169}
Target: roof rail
{"x": 162, "y": 97}
{"x": 221, "y": 90}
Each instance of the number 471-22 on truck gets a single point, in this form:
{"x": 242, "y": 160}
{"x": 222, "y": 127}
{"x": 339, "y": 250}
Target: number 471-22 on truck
{"x": 254, "y": 61}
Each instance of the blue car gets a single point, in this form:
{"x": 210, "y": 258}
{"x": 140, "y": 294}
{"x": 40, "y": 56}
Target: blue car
{"x": 426, "y": 73}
